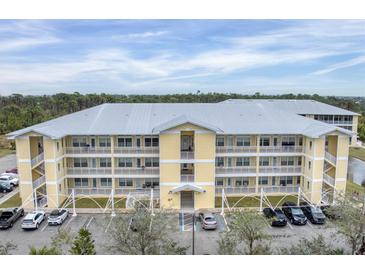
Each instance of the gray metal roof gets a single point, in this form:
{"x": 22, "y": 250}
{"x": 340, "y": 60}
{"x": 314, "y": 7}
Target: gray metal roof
{"x": 144, "y": 119}
{"x": 295, "y": 106}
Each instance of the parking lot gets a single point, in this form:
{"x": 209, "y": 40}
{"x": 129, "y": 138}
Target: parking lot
{"x": 206, "y": 242}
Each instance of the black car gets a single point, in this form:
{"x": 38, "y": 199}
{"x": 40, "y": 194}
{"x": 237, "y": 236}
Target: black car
{"x": 294, "y": 213}
{"x": 276, "y": 216}
{"x": 313, "y": 213}
{"x": 5, "y": 188}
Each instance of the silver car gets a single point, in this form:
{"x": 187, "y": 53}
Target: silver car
{"x": 208, "y": 220}
{"x": 33, "y": 220}
{"x": 8, "y": 179}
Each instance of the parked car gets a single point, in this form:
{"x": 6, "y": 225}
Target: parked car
{"x": 294, "y": 213}
{"x": 9, "y": 216}
{"x": 57, "y": 216}
{"x": 13, "y": 181}
{"x": 15, "y": 175}
{"x": 12, "y": 170}
{"x": 33, "y": 220}
{"x": 208, "y": 220}
{"x": 313, "y": 213}
{"x": 5, "y": 187}
{"x": 276, "y": 216}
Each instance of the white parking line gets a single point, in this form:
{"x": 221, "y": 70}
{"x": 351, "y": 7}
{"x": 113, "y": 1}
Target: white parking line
{"x": 87, "y": 226}
{"x": 43, "y": 228}
{"x": 69, "y": 221}
{"x": 110, "y": 222}
{"x": 289, "y": 224}
{"x": 309, "y": 223}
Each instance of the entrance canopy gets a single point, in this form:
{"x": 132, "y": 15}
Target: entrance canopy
{"x": 187, "y": 187}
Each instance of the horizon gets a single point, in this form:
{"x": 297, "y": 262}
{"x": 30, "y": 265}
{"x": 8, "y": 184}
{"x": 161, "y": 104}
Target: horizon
{"x": 161, "y": 57}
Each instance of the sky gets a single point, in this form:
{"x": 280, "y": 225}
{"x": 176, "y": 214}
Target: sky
{"x": 326, "y": 57}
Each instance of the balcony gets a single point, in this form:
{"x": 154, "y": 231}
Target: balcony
{"x": 136, "y": 150}
{"x": 130, "y": 171}
{"x": 88, "y": 150}
{"x": 37, "y": 160}
{"x": 187, "y": 155}
{"x": 328, "y": 179}
{"x": 235, "y": 170}
{"x": 187, "y": 178}
{"x": 89, "y": 171}
{"x": 117, "y": 191}
{"x": 330, "y": 158}
{"x": 281, "y": 149}
{"x": 280, "y": 169}
{"x": 252, "y": 190}
{"x": 38, "y": 182}
{"x": 236, "y": 149}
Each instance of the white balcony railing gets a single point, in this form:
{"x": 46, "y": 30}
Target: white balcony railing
{"x": 235, "y": 170}
{"x": 137, "y": 171}
{"x": 236, "y": 149}
{"x": 38, "y": 182}
{"x": 328, "y": 179}
{"x": 281, "y": 149}
{"x": 37, "y": 159}
{"x": 187, "y": 178}
{"x": 136, "y": 150}
{"x": 89, "y": 171}
{"x": 137, "y": 191}
{"x": 280, "y": 169}
{"x": 330, "y": 158}
{"x": 187, "y": 155}
{"x": 106, "y": 191}
{"x": 248, "y": 190}
{"x": 88, "y": 150}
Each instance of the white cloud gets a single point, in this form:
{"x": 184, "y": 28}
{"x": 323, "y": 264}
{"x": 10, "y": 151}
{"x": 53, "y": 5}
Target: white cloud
{"x": 349, "y": 63}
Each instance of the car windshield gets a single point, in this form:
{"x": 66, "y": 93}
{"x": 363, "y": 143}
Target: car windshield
{"x": 316, "y": 210}
{"x": 209, "y": 219}
{"x": 28, "y": 221}
{"x": 54, "y": 213}
{"x": 297, "y": 211}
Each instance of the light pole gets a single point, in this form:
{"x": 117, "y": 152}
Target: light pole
{"x": 193, "y": 245}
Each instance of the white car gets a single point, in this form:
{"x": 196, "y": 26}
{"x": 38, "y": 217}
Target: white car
{"x": 33, "y": 220}
{"x": 13, "y": 181}
{"x": 57, "y": 216}
{"x": 10, "y": 174}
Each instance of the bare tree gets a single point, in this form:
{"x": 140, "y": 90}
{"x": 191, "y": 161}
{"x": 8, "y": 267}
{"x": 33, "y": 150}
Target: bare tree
{"x": 246, "y": 235}
{"x": 143, "y": 234}
{"x": 350, "y": 222}
{"x": 314, "y": 246}
{"x": 5, "y": 249}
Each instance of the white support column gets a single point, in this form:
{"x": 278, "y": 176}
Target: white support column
{"x": 261, "y": 198}
{"x": 151, "y": 203}
{"x": 73, "y": 203}
{"x": 112, "y": 201}
{"x": 298, "y": 201}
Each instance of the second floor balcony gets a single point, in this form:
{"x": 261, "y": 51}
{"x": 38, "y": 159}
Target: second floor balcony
{"x": 239, "y": 190}
{"x": 88, "y": 150}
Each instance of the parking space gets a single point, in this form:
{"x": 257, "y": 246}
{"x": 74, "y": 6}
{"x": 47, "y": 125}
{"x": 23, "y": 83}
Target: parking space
{"x": 180, "y": 227}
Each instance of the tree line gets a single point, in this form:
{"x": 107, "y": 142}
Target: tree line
{"x": 18, "y": 111}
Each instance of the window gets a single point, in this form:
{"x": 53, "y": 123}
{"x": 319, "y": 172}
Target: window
{"x": 80, "y": 162}
{"x": 286, "y": 180}
{"x": 220, "y": 141}
{"x": 151, "y": 162}
{"x": 152, "y": 183}
{"x": 105, "y": 162}
{"x": 58, "y": 146}
{"x": 264, "y": 161}
{"x": 243, "y": 141}
{"x": 310, "y": 144}
{"x": 104, "y": 141}
{"x": 59, "y": 167}
{"x": 81, "y": 182}
{"x": 106, "y": 182}
{"x": 125, "y": 182}
{"x": 124, "y": 141}
{"x": 79, "y": 141}
{"x": 300, "y": 143}
{"x": 243, "y": 161}
{"x": 307, "y": 184}
{"x": 309, "y": 165}
{"x": 287, "y": 161}
{"x": 273, "y": 181}
{"x": 151, "y": 142}
{"x": 219, "y": 182}
{"x": 125, "y": 162}
{"x": 264, "y": 180}
{"x": 241, "y": 181}
{"x": 298, "y": 180}
{"x": 288, "y": 141}
{"x": 264, "y": 141}
{"x": 219, "y": 162}
{"x": 299, "y": 161}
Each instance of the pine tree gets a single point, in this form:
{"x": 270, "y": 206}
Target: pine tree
{"x": 83, "y": 244}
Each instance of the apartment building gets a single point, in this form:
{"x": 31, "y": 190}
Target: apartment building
{"x": 186, "y": 154}
{"x": 312, "y": 109}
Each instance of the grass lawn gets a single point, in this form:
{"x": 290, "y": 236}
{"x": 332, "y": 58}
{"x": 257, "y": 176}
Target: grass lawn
{"x": 357, "y": 152}
{"x": 14, "y": 201}
{"x": 89, "y": 203}
{"x": 351, "y": 187}
{"x": 5, "y": 151}
{"x": 252, "y": 202}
